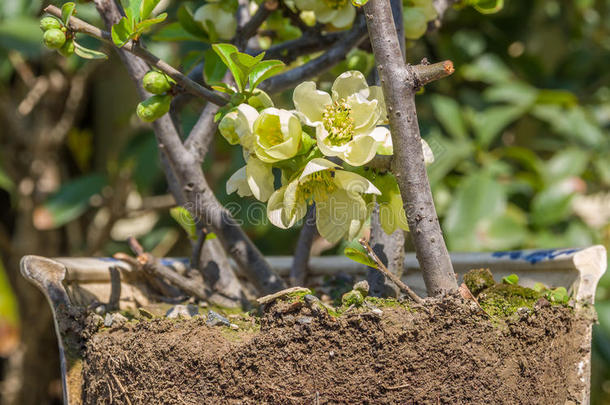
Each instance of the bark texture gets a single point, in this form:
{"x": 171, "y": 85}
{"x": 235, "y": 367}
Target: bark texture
{"x": 398, "y": 82}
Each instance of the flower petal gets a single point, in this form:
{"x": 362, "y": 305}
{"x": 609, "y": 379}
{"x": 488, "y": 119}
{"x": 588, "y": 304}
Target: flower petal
{"x": 310, "y": 102}
{"x": 277, "y": 211}
{"x": 348, "y": 83}
{"x": 324, "y": 144}
{"x": 275, "y": 208}
{"x": 237, "y": 182}
{"x": 384, "y": 140}
{"x": 306, "y": 4}
{"x": 277, "y": 125}
{"x": 260, "y": 179}
{"x": 354, "y": 183}
{"x": 428, "y": 154}
{"x": 361, "y": 150}
{"x": 325, "y": 14}
{"x": 236, "y": 126}
{"x": 316, "y": 165}
{"x": 335, "y": 216}
{"x": 364, "y": 112}
{"x": 376, "y": 93}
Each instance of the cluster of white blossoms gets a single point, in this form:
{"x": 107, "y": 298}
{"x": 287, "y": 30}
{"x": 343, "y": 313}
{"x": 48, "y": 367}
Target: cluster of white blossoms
{"x": 347, "y": 124}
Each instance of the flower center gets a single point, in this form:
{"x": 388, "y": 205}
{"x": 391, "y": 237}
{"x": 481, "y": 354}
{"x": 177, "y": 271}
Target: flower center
{"x": 336, "y": 4}
{"x": 318, "y": 185}
{"x": 338, "y": 122}
{"x": 274, "y": 135}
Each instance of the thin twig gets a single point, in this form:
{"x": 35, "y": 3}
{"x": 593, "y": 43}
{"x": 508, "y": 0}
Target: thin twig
{"x": 310, "y": 42}
{"x": 78, "y": 25}
{"x": 300, "y": 262}
{"x": 249, "y": 29}
{"x": 381, "y": 267}
{"x": 152, "y": 265}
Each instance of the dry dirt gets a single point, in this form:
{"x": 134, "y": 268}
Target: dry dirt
{"x": 447, "y": 352}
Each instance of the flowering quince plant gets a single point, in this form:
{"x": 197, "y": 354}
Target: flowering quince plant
{"x": 346, "y": 124}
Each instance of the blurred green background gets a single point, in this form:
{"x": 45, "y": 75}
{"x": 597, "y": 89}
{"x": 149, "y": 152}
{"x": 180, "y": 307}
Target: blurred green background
{"x": 520, "y": 133}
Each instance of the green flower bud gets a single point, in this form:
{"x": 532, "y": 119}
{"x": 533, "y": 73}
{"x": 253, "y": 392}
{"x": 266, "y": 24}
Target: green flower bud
{"x": 156, "y": 82}
{"x": 415, "y": 22}
{"x": 48, "y": 23}
{"x": 67, "y": 49}
{"x": 260, "y": 100}
{"x": 54, "y": 38}
{"x": 154, "y": 107}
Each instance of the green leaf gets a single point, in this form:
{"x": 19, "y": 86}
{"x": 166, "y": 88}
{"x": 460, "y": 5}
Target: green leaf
{"x": 69, "y": 203}
{"x": 501, "y": 233}
{"x": 186, "y": 20}
{"x": 121, "y": 32}
{"x": 225, "y": 51}
{"x": 146, "y": 8}
{"x": 143, "y": 25}
{"x": 479, "y": 198}
{"x": 566, "y": 163}
{"x": 132, "y": 11}
{"x": 264, "y": 70}
{"x": 87, "y": 53}
{"x": 186, "y": 221}
{"x": 224, "y": 88}
{"x": 516, "y": 93}
{"x": 6, "y": 183}
{"x": 561, "y": 97}
{"x": 21, "y": 34}
{"x": 559, "y": 295}
{"x": 488, "y": 6}
{"x": 488, "y": 124}
{"x": 359, "y": 3}
{"x": 447, "y": 111}
{"x": 67, "y": 10}
{"x": 575, "y": 124}
{"x": 552, "y": 205}
{"x": 174, "y": 32}
{"x": 447, "y": 155}
{"x": 488, "y": 68}
{"x": 512, "y": 279}
{"x": 213, "y": 68}
{"x": 9, "y": 313}
{"x": 245, "y": 61}
{"x": 360, "y": 256}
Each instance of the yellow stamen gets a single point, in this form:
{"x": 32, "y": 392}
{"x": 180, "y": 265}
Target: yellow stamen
{"x": 338, "y": 122}
{"x": 318, "y": 185}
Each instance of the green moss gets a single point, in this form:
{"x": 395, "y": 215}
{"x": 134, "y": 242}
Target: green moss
{"x": 296, "y": 296}
{"x": 503, "y": 300}
{"x": 353, "y": 297}
{"x": 478, "y": 280}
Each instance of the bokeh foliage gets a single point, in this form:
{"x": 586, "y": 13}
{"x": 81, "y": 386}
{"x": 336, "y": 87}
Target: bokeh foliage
{"x": 520, "y": 133}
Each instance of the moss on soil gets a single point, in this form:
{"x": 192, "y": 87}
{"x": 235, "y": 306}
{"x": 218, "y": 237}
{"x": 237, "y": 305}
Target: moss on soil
{"x": 503, "y": 300}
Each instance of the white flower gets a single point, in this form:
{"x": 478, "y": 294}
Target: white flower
{"x": 347, "y": 121}
{"x": 340, "y": 209}
{"x": 277, "y": 135}
{"x": 256, "y": 179}
{"x": 339, "y": 13}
